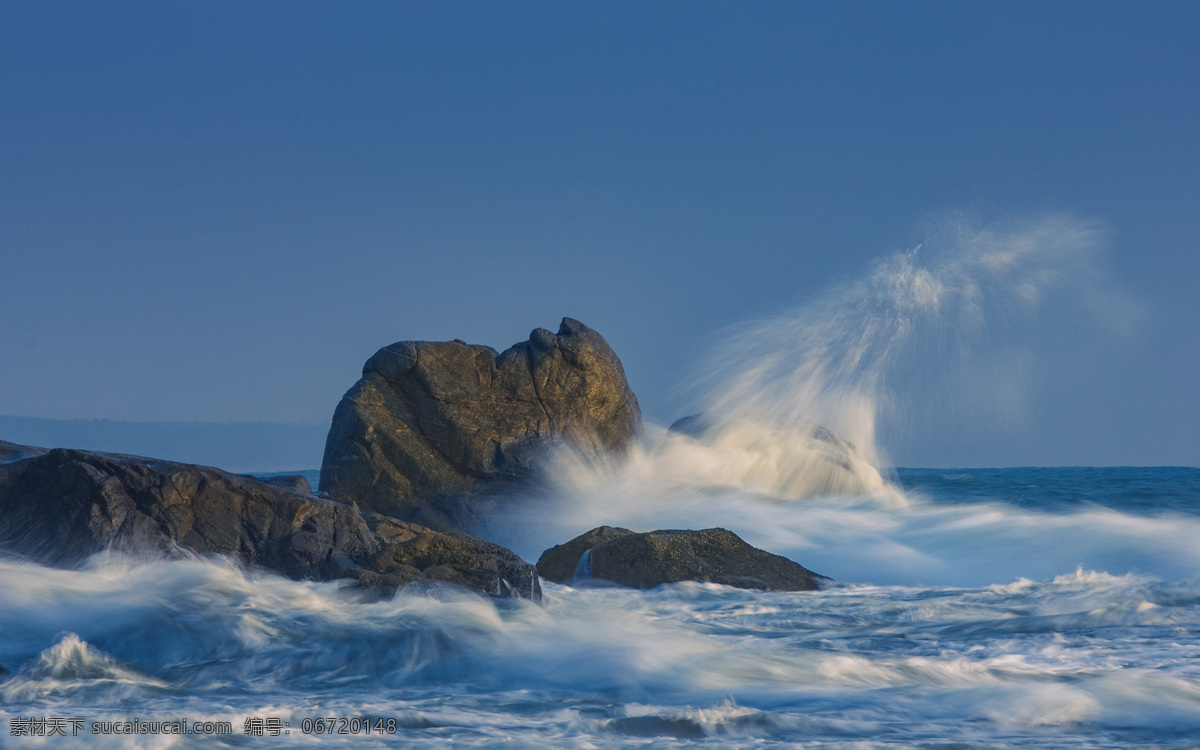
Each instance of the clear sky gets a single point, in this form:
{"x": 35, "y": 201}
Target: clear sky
{"x": 218, "y": 210}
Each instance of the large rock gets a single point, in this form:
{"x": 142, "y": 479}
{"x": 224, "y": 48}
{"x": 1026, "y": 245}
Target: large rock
{"x": 430, "y": 423}
{"x": 411, "y": 552}
{"x": 63, "y": 505}
{"x": 67, "y": 504}
{"x": 669, "y": 556}
{"x": 560, "y": 562}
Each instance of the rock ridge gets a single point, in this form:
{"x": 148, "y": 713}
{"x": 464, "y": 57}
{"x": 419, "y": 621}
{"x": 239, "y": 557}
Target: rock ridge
{"x": 62, "y": 505}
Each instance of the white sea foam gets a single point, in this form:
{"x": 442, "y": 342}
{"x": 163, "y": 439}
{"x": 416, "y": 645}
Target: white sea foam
{"x": 1083, "y": 653}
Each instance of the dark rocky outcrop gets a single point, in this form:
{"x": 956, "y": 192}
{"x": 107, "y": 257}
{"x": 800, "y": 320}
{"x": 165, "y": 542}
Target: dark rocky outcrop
{"x": 430, "y": 423}
{"x": 560, "y": 562}
{"x": 693, "y": 425}
{"x": 669, "y": 556}
{"x": 297, "y": 483}
{"x": 67, "y": 504}
{"x": 63, "y": 505}
{"x": 13, "y": 452}
{"x": 410, "y": 552}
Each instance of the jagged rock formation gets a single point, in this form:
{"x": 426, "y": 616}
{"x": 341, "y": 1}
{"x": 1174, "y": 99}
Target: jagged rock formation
{"x": 62, "y": 505}
{"x": 669, "y": 556}
{"x": 431, "y": 422}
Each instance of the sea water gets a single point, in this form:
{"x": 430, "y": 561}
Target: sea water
{"x": 994, "y": 608}
{"x": 969, "y": 608}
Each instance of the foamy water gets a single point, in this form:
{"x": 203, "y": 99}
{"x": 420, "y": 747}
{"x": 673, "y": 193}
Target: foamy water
{"x": 1084, "y": 658}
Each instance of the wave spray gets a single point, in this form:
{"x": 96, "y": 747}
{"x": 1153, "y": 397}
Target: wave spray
{"x": 798, "y": 414}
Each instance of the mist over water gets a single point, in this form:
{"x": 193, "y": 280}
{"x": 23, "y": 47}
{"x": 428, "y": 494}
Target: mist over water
{"x": 800, "y": 412}
{"x": 971, "y": 608}
{"x": 947, "y": 330}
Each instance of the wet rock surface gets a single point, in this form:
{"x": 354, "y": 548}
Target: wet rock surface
{"x": 432, "y": 424}
{"x": 408, "y": 550}
{"x": 560, "y": 562}
{"x": 649, "y": 559}
{"x": 67, "y": 504}
{"x": 63, "y": 505}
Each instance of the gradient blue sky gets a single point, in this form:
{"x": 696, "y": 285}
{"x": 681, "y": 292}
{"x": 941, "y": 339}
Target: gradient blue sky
{"x": 218, "y": 210}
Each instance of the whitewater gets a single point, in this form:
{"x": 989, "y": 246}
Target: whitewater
{"x": 969, "y": 608}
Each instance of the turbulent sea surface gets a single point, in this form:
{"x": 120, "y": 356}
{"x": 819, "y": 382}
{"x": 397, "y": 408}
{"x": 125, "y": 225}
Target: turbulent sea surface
{"x": 974, "y": 608}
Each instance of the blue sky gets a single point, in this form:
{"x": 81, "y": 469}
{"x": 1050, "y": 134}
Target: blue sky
{"x": 217, "y": 211}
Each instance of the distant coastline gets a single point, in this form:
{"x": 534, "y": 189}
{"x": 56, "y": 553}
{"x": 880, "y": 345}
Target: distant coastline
{"x": 235, "y": 446}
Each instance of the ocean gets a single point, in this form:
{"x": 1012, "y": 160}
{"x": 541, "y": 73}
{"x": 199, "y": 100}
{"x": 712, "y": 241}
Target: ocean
{"x": 972, "y": 608}
{"x": 969, "y": 608}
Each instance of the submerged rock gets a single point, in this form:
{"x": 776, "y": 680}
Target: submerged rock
{"x": 669, "y": 556}
{"x": 693, "y": 425}
{"x": 430, "y": 423}
{"x": 64, "y": 505}
{"x": 658, "y": 726}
